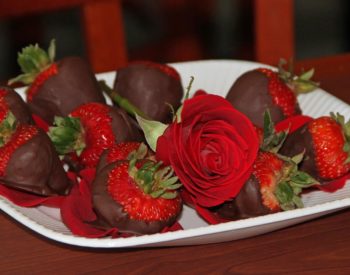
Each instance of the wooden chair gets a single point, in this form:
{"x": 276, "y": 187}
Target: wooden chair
{"x": 275, "y": 38}
{"x": 101, "y": 21}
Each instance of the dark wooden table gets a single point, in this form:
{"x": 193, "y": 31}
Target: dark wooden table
{"x": 320, "y": 246}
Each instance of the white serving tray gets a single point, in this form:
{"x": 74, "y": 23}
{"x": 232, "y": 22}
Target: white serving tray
{"x": 214, "y": 76}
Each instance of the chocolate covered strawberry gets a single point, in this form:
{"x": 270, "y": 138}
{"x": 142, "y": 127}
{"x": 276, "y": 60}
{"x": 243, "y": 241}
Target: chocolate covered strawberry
{"x": 151, "y": 87}
{"x": 136, "y": 196}
{"x": 89, "y": 130}
{"x": 275, "y": 185}
{"x": 28, "y": 160}
{"x": 261, "y": 89}
{"x": 13, "y": 102}
{"x": 56, "y": 87}
{"x": 325, "y": 141}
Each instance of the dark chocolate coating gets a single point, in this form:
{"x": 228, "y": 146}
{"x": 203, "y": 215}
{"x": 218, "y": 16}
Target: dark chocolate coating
{"x": 250, "y": 95}
{"x": 124, "y": 127}
{"x": 297, "y": 142}
{"x": 103, "y": 162}
{"x": 150, "y": 89}
{"x": 35, "y": 167}
{"x": 17, "y": 106}
{"x": 74, "y": 85}
{"x": 246, "y": 204}
{"x": 110, "y": 213}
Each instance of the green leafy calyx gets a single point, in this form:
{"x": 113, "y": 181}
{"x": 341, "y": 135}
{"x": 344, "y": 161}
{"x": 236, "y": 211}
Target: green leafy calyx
{"x": 292, "y": 182}
{"x": 272, "y": 141}
{"x": 155, "y": 180}
{"x": 7, "y": 128}
{"x": 299, "y": 84}
{"x": 32, "y": 61}
{"x": 67, "y": 135}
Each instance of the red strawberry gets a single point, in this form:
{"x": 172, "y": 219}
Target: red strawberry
{"x": 13, "y": 102}
{"x": 28, "y": 160}
{"x": 325, "y": 141}
{"x": 56, "y": 88}
{"x": 89, "y": 130}
{"x": 151, "y": 87}
{"x": 136, "y": 197}
{"x": 275, "y": 185}
{"x": 121, "y": 151}
{"x": 261, "y": 89}
{"x": 260, "y": 134}
{"x": 268, "y": 170}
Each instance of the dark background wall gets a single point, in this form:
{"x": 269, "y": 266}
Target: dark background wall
{"x": 322, "y": 28}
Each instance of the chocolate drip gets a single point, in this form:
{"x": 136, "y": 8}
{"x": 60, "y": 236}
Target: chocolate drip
{"x": 110, "y": 213}
{"x": 250, "y": 95}
{"x": 35, "y": 167}
{"x": 74, "y": 85}
{"x": 150, "y": 89}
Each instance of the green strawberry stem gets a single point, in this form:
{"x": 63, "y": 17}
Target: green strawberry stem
{"x": 67, "y": 135}
{"x": 121, "y": 101}
{"x": 299, "y": 84}
{"x": 177, "y": 116}
{"x": 32, "y": 61}
{"x": 7, "y": 128}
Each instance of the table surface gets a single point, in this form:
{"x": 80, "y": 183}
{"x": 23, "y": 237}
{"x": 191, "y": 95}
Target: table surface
{"x": 319, "y": 246}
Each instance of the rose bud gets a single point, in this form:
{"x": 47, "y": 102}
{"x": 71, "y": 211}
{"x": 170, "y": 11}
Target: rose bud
{"x": 211, "y": 147}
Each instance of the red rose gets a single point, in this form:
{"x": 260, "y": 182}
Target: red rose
{"x": 211, "y": 150}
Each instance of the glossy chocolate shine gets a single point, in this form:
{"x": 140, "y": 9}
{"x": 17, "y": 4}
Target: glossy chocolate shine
{"x": 150, "y": 90}
{"x": 74, "y": 85}
{"x": 36, "y": 168}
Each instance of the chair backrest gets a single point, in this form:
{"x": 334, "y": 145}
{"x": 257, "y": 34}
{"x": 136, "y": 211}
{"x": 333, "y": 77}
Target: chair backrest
{"x": 102, "y": 24}
{"x": 275, "y": 38}
{"x": 274, "y": 30}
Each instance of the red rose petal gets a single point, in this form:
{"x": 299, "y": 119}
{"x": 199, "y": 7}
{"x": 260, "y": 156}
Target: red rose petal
{"x": 78, "y": 215}
{"x": 40, "y": 123}
{"x": 200, "y": 92}
{"x": 292, "y": 123}
{"x": 175, "y": 227}
{"x": 25, "y": 199}
{"x": 209, "y": 216}
{"x": 211, "y": 150}
{"x": 334, "y": 185}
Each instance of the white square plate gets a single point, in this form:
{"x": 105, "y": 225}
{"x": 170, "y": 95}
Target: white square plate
{"x": 214, "y": 76}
